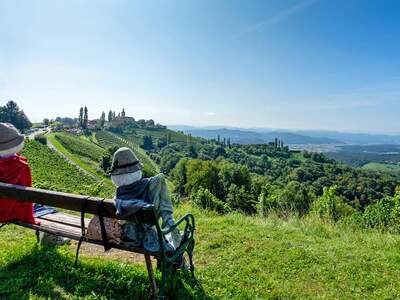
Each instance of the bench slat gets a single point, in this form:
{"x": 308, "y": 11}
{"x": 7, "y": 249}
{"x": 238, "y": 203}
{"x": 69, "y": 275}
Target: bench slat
{"x": 74, "y": 233}
{"x": 65, "y": 219}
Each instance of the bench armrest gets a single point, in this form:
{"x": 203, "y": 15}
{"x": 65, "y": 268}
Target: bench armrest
{"x": 187, "y": 238}
{"x": 189, "y": 220}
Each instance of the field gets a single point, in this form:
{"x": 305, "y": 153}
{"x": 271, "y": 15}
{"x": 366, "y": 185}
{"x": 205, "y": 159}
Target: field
{"x": 175, "y": 137}
{"x": 237, "y": 256}
{"x": 382, "y": 167}
{"x": 50, "y": 171}
{"x": 83, "y": 161}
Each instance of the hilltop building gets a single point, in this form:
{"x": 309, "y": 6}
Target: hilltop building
{"x": 120, "y": 119}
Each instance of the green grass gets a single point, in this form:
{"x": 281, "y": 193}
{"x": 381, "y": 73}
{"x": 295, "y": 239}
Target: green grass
{"x": 237, "y": 257}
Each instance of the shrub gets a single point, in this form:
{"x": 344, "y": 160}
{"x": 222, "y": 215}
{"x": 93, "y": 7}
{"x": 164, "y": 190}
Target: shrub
{"x": 240, "y": 199}
{"x": 268, "y": 200}
{"x": 385, "y": 214}
{"x": 202, "y": 174}
{"x": 294, "y": 198}
{"x": 330, "y": 206}
{"x": 41, "y": 138}
{"x": 206, "y": 200}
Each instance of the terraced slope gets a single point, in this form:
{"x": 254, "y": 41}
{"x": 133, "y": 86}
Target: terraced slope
{"x": 51, "y": 171}
{"x": 107, "y": 139}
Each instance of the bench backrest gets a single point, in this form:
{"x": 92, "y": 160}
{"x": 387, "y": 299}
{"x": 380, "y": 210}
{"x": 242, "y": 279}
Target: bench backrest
{"x": 73, "y": 202}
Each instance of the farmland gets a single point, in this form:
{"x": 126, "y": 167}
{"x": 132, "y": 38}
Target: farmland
{"x": 80, "y": 146}
{"x": 383, "y": 167}
{"x": 50, "y": 171}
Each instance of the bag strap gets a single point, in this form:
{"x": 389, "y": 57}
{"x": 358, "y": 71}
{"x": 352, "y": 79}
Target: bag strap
{"x": 100, "y": 207}
{"x": 83, "y": 229}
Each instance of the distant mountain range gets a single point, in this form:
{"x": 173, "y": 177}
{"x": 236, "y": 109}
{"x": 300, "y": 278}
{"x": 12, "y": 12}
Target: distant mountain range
{"x": 295, "y": 137}
{"x": 242, "y": 136}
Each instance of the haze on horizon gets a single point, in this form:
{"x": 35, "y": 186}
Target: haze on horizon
{"x": 301, "y": 64}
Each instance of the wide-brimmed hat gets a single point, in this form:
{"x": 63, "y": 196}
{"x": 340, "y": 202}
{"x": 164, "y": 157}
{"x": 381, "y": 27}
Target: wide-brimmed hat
{"x": 124, "y": 162}
{"x": 11, "y": 140}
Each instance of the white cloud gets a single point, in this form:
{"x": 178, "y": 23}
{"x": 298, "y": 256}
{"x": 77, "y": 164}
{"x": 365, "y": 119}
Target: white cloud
{"x": 277, "y": 18}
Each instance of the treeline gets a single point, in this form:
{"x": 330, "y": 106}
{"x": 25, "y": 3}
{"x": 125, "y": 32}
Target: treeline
{"x": 266, "y": 178}
{"x": 11, "y": 113}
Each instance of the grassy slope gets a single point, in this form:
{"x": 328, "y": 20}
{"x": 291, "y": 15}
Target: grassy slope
{"x": 106, "y": 139}
{"x": 238, "y": 257}
{"x": 83, "y": 162}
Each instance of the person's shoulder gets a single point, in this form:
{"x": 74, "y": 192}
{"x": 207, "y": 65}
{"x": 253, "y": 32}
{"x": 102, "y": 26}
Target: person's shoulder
{"x": 22, "y": 160}
{"x": 157, "y": 179}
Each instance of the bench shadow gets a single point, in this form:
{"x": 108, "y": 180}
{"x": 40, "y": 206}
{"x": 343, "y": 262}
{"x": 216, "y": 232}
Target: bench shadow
{"x": 48, "y": 274}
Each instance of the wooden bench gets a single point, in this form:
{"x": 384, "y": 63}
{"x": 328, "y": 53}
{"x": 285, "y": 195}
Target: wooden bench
{"x": 74, "y": 227}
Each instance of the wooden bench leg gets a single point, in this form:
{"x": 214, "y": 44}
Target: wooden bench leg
{"x": 153, "y": 284}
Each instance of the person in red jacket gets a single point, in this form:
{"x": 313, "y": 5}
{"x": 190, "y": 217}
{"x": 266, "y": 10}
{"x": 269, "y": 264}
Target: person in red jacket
{"x": 14, "y": 169}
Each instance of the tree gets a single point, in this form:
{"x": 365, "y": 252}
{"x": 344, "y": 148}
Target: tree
{"x": 168, "y": 138}
{"x": 147, "y": 142}
{"x": 102, "y": 119}
{"x": 149, "y": 123}
{"x": 10, "y": 113}
{"x": 141, "y": 123}
{"x": 178, "y": 176}
{"x": 81, "y": 117}
{"x": 330, "y": 206}
{"x": 85, "y": 118}
{"x": 110, "y": 116}
{"x": 202, "y": 174}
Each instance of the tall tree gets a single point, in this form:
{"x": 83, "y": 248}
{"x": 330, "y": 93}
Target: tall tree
{"x": 85, "y": 118}
{"x": 102, "y": 119}
{"x": 80, "y": 117}
{"x": 110, "y": 116}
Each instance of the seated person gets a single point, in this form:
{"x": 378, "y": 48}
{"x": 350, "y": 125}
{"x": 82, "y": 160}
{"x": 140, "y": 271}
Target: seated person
{"x": 134, "y": 192}
{"x": 14, "y": 169}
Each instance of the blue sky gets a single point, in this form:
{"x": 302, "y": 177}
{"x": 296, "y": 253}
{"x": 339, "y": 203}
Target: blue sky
{"x": 315, "y": 64}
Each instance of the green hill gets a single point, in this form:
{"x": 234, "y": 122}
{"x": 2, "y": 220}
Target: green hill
{"x": 311, "y": 241}
{"x": 237, "y": 256}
